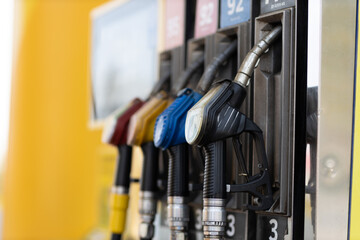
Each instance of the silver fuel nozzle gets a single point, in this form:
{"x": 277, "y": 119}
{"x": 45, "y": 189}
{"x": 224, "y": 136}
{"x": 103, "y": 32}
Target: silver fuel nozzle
{"x": 178, "y": 217}
{"x": 251, "y": 60}
{"x": 147, "y": 210}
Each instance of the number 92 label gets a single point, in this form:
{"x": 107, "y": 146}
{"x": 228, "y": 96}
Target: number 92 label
{"x": 234, "y": 11}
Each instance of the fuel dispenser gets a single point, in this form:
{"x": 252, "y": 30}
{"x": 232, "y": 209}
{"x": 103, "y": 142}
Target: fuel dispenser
{"x": 247, "y": 134}
{"x": 268, "y": 192}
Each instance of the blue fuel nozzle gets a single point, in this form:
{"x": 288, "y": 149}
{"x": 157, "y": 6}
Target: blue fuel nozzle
{"x": 170, "y": 124}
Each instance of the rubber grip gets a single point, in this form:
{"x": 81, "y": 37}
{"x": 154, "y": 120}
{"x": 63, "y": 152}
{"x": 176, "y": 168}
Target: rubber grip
{"x": 215, "y": 167}
{"x": 150, "y": 168}
{"x": 123, "y": 169}
{"x": 178, "y": 174}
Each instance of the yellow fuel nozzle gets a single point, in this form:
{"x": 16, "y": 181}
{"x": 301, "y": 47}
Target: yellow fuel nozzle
{"x": 141, "y": 127}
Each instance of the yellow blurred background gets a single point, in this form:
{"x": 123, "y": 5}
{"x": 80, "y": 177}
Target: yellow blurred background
{"x": 58, "y": 173}
{"x": 55, "y": 161}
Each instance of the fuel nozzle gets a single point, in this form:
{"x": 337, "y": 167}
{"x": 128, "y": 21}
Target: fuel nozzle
{"x": 140, "y": 133}
{"x": 213, "y": 119}
{"x": 169, "y": 135}
{"x": 148, "y": 190}
{"x": 115, "y": 133}
{"x": 178, "y": 191}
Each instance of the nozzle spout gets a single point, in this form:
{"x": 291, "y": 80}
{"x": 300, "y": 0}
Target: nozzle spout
{"x": 250, "y": 62}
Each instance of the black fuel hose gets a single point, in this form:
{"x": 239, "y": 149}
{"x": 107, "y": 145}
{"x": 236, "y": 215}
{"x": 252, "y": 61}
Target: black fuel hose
{"x": 188, "y": 73}
{"x": 123, "y": 169}
{"x": 161, "y": 84}
{"x": 209, "y": 74}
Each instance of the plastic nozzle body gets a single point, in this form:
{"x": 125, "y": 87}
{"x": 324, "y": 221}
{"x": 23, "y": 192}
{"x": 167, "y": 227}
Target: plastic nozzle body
{"x": 141, "y": 127}
{"x": 170, "y": 124}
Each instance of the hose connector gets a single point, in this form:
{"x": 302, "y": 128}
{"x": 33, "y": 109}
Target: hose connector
{"x": 252, "y": 58}
{"x": 214, "y": 218}
{"x": 178, "y": 217}
{"x": 147, "y": 210}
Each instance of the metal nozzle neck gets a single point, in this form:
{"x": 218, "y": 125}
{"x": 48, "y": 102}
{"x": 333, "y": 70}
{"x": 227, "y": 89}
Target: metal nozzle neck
{"x": 252, "y": 58}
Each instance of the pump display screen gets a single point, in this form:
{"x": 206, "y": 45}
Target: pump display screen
{"x": 123, "y": 65}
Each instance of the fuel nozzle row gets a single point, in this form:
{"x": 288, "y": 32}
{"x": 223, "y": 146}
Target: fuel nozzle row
{"x": 206, "y": 121}
{"x": 170, "y": 135}
{"x": 141, "y": 133}
{"x": 116, "y": 133}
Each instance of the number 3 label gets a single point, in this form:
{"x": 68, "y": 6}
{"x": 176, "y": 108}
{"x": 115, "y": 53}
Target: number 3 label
{"x": 231, "y": 225}
{"x": 274, "y": 227}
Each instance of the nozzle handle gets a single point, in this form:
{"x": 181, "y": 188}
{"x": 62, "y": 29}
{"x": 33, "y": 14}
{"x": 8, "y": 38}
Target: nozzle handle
{"x": 215, "y": 170}
{"x": 178, "y": 171}
{"x": 149, "y": 173}
{"x": 123, "y": 168}
{"x": 258, "y": 185}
